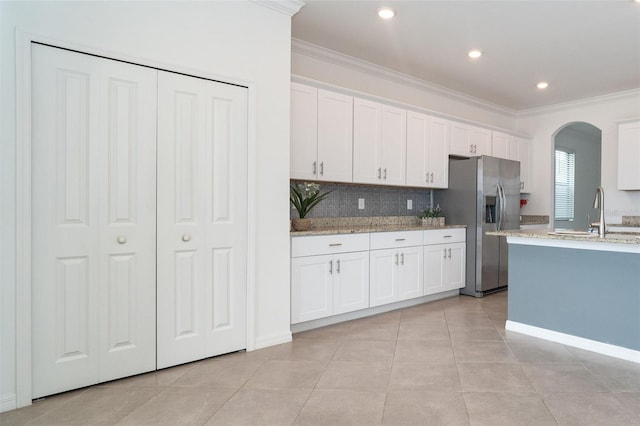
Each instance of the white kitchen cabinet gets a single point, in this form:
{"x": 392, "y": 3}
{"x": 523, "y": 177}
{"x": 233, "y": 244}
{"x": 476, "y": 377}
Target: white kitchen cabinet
{"x": 379, "y": 143}
{"x": 328, "y": 284}
{"x": 499, "y": 145}
{"x": 524, "y": 152}
{"x": 629, "y": 155}
{"x": 444, "y": 260}
{"x": 396, "y": 271}
{"x": 469, "y": 141}
{"x": 427, "y": 151}
{"x": 321, "y": 134}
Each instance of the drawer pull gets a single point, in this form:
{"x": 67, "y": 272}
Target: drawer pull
{"x": 400, "y": 239}
{"x": 447, "y": 236}
{"x": 335, "y": 244}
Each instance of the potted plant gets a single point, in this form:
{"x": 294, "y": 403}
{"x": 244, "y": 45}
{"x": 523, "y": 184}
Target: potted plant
{"x": 304, "y": 197}
{"x": 432, "y": 217}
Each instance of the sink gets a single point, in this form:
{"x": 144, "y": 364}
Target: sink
{"x": 572, "y": 233}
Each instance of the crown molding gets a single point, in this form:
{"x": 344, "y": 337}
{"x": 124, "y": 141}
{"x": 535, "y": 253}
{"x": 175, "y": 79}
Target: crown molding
{"x": 331, "y": 56}
{"x": 579, "y": 103}
{"x": 286, "y": 7}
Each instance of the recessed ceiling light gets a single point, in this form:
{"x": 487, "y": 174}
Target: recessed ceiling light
{"x": 475, "y": 54}
{"x": 542, "y": 85}
{"x": 386, "y": 13}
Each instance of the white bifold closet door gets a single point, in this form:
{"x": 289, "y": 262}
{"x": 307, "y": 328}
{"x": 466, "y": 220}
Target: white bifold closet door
{"x": 93, "y": 219}
{"x": 202, "y": 218}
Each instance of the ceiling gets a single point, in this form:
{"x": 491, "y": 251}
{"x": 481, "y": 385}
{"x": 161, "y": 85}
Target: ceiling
{"x": 581, "y": 48}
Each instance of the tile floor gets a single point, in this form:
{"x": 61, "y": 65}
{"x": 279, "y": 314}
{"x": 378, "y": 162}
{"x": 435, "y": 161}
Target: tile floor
{"x": 443, "y": 363}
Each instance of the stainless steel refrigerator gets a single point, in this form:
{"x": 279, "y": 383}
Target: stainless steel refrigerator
{"x": 484, "y": 194}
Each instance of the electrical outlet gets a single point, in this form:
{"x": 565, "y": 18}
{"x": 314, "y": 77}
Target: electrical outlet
{"x": 361, "y": 203}
{"x": 409, "y": 204}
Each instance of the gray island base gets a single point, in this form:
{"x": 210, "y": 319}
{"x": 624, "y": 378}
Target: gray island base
{"x": 580, "y": 291}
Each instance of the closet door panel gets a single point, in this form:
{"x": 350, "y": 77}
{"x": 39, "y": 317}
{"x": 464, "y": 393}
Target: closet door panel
{"x": 65, "y": 222}
{"x": 127, "y": 284}
{"x": 225, "y": 185}
{"x": 181, "y": 222}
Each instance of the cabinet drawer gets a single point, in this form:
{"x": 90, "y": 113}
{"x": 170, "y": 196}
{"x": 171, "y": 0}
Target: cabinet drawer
{"x": 383, "y": 240}
{"x": 328, "y": 244}
{"x": 443, "y": 236}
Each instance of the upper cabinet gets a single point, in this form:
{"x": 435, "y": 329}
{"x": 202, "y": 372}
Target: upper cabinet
{"x": 321, "y": 134}
{"x": 379, "y": 143}
{"x": 427, "y": 151}
{"x": 469, "y": 141}
{"x": 629, "y": 155}
{"x": 524, "y": 156}
{"x": 500, "y": 145}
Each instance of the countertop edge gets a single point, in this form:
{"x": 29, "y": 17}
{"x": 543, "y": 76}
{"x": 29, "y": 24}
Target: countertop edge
{"x": 369, "y": 229}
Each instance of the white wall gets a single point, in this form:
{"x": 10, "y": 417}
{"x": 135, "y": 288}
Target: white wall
{"x": 235, "y": 40}
{"x": 603, "y": 113}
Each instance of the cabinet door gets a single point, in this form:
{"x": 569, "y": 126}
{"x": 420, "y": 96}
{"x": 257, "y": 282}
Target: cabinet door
{"x": 304, "y": 131}
{"x": 410, "y": 276}
{"x": 383, "y": 276}
{"x": 480, "y": 140}
{"x": 513, "y": 148}
{"x": 366, "y": 141}
{"x": 417, "y": 169}
{"x": 311, "y": 288}
{"x": 455, "y": 266}
{"x": 335, "y": 137}
{"x": 393, "y": 145}
{"x": 351, "y": 282}
{"x": 459, "y": 143}
{"x": 438, "y": 156}
{"x": 435, "y": 257}
{"x": 499, "y": 145}
{"x": 629, "y": 156}
{"x": 524, "y": 147}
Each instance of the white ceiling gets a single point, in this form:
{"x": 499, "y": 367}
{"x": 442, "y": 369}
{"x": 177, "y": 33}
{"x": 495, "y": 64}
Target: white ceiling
{"x": 582, "y": 48}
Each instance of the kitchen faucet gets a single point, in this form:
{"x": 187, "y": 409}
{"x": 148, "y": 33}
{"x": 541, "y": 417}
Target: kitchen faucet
{"x": 598, "y": 203}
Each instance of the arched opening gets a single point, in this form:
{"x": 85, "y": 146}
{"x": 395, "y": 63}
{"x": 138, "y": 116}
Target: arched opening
{"x": 576, "y": 175}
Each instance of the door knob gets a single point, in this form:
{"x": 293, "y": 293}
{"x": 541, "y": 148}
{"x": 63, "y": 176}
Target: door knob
{"x": 121, "y": 239}
{"x": 186, "y": 237}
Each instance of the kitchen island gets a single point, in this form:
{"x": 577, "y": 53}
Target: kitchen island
{"x": 577, "y": 289}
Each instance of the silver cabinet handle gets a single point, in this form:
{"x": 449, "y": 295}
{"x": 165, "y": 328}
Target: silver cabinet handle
{"x": 331, "y": 266}
{"x": 385, "y": 173}
{"x": 400, "y": 239}
{"x": 121, "y": 239}
{"x": 186, "y": 238}
{"x": 449, "y": 253}
{"x": 426, "y": 177}
{"x": 447, "y": 236}
{"x": 338, "y": 266}
{"x": 444, "y": 251}
{"x": 432, "y": 177}
{"x": 322, "y": 167}
{"x": 335, "y": 244}
{"x": 379, "y": 172}
{"x": 396, "y": 258}
{"x": 471, "y": 148}
{"x": 402, "y": 258}
{"x": 315, "y": 167}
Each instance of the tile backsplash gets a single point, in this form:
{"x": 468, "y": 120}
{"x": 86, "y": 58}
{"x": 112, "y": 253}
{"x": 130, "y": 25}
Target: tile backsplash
{"x": 378, "y": 201}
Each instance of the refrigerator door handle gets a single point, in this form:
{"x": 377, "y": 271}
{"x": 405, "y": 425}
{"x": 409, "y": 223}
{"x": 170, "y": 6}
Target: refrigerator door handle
{"x": 501, "y": 197}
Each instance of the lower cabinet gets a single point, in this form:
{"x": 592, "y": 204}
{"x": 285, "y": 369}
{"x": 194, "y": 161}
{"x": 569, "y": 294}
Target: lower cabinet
{"x": 445, "y": 263}
{"x": 396, "y": 274}
{"x": 327, "y": 285}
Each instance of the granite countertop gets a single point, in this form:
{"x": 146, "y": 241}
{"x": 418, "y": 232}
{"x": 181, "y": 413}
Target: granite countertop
{"x": 569, "y": 235}
{"x": 533, "y": 219}
{"x": 356, "y": 225}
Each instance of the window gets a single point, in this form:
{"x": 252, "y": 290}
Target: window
{"x": 564, "y": 184}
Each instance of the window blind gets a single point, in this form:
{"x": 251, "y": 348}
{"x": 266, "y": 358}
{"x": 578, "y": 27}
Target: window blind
{"x": 565, "y": 184}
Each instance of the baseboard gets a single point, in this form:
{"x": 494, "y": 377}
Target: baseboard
{"x": 575, "y": 341}
{"x": 273, "y": 339}
{"x": 8, "y": 402}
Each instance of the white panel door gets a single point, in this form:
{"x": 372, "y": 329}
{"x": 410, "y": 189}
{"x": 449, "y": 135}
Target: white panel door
{"x": 480, "y": 140}
{"x": 311, "y": 288}
{"x": 410, "y": 275}
{"x": 438, "y": 157}
{"x": 393, "y": 141}
{"x": 366, "y": 141}
{"x": 435, "y": 257}
{"x": 417, "y": 168}
{"x": 202, "y": 218}
{"x": 459, "y": 143}
{"x": 456, "y": 265}
{"x": 383, "y": 277}
{"x": 335, "y": 137}
{"x": 499, "y": 145}
{"x": 93, "y": 225}
{"x": 351, "y": 282}
{"x": 304, "y": 132}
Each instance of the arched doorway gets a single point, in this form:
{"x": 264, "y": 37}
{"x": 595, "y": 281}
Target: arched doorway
{"x": 576, "y": 175}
